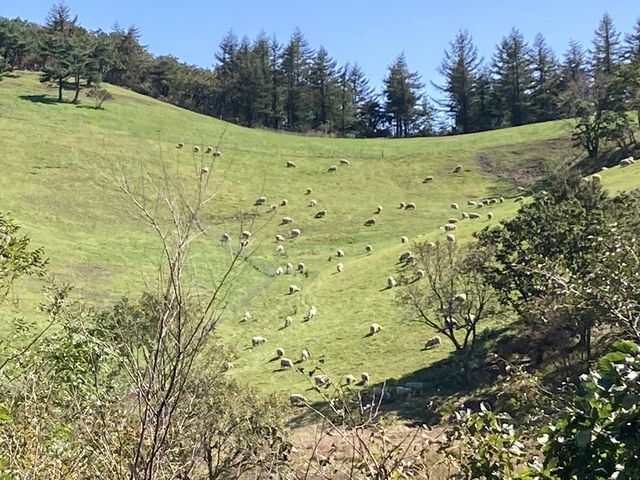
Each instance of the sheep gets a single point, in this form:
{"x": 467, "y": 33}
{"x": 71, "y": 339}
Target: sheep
{"x": 260, "y": 201}
{"x": 453, "y": 219}
{"x": 332, "y": 168}
{"x": 279, "y": 271}
{"x": 454, "y": 206}
{"x": 485, "y": 202}
{"x": 432, "y": 342}
{"x": 295, "y": 232}
{"x": 349, "y": 379}
{"x": 208, "y": 150}
{"x": 300, "y": 267}
{"x": 431, "y": 244}
{"x": 286, "y": 220}
{"x": 465, "y": 215}
{"x": 596, "y": 178}
{"x": 297, "y": 399}
{"x": 284, "y": 202}
{"x": 460, "y": 297}
{"x": 473, "y": 215}
{"x": 402, "y": 204}
{"x": 470, "y": 319}
{"x": 522, "y": 189}
{"x": 255, "y": 341}
{"x": 370, "y": 222}
{"x": 410, "y": 206}
{"x": 225, "y": 237}
{"x": 339, "y": 253}
{"x": 217, "y": 153}
{"x": 279, "y": 248}
{"x": 293, "y": 289}
{"x": 451, "y": 237}
{"x": 449, "y": 323}
{"x": 403, "y": 391}
{"x": 458, "y": 169}
{"x": 204, "y": 170}
{"x": 246, "y": 317}
{"x": 321, "y": 214}
{"x": 344, "y": 161}
{"x": 449, "y": 227}
{"x": 309, "y": 190}
{"x": 378, "y": 209}
{"x": 313, "y": 311}
{"x": 490, "y": 215}
{"x": 245, "y": 235}
{"x": 501, "y": 199}
{"x": 273, "y": 208}
{"x": 374, "y": 328}
{"x": 196, "y": 149}
{"x": 404, "y": 256}
{"x": 404, "y": 239}
{"x": 379, "y": 393}
{"x": 322, "y": 380}
{"x": 364, "y": 376}
{"x": 625, "y": 162}
{"x": 288, "y": 321}
{"x": 288, "y": 267}
{"x": 291, "y": 164}
{"x": 180, "y": 145}
{"x": 279, "y": 238}
{"x": 312, "y": 203}
{"x": 391, "y": 282}
{"x": 286, "y": 363}
{"x": 480, "y": 205}
{"x": 417, "y": 386}
{"x": 280, "y": 352}
{"x": 340, "y": 267}
{"x": 420, "y": 274}
{"x": 304, "y": 355}
{"x": 427, "y": 179}
{"x": 244, "y": 243}
{"x": 368, "y": 248}
{"x": 473, "y": 203}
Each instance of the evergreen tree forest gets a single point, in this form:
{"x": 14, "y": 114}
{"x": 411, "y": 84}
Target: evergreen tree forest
{"x": 291, "y": 86}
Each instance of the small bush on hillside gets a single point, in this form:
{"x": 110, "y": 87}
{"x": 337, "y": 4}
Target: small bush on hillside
{"x": 99, "y": 97}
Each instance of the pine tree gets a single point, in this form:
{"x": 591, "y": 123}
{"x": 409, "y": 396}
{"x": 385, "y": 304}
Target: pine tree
{"x": 324, "y": 90}
{"x": 364, "y": 104}
{"x": 58, "y": 46}
{"x": 485, "y": 105}
{"x": 606, "y": 53}
{"x": 295, "y": 60}
{"x": 459, "y": 67}
{"x": 574, "y": 66}
{"x": 401, "y": 91}
{"x": 545, "y": 100}
{"x": 512, "y": 72}
{"x": 632, "y": 68}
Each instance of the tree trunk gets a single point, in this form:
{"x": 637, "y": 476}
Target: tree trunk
{"x": 60, "y": 80}
{"x": 77, "y": 85}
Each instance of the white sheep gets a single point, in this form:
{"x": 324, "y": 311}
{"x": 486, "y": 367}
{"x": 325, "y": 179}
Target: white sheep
{"x": 279, "y": 248}
{"x": 340, "y": 267}
{"x": 451, "y": 237}
{"x": 374, "y": 328}
{"x": 473, "y": 215}
{"x": 473, "y": 203}
{"x": 339, "y": 253}
{"x": 402, "y": 204}
{"x": 370, "y": 222}
{"x": 364, "y": 376}
{"x": 286, "y": 220}
{"x": 288, "y": 267}
{"x": 332, "y": 168}
{"x": 453, "y": 219}
{"x": 180, "y": 145}
{"x": 501, "y": 199}
{"x": 293, "y": 289}
{"x": 349, "y": 379}
{"x": 279, "y": 238}
{"x": 244, "y": 243}
{"x": 300, "y": 267}
{"x": 432, "y": 342}
{"x": 284, "y": 202}
{"x": 297, "y": 399}
{"x": 596, "y": 178}
{"x": 420, "y": 274}
{"x": 295, "y": 233}
{"x": 404, "y": 239}
{"x": 280, "y": 352}
{"x": 404, "y": 256}
{"x": 246, "y": 317}
{"x": 321, "y": 380}
{"x": 460, "y": 297}
{"x": 217, "y": 153}
{"x": 313, "y": 202}
{"x": 225, "y": 237}
{"x": 490, "y": 215}
{"x": 260, "y": 200}
{"x": 522, "y": 189}
{"x": 368, "y": 248}
{"x": 321, "y": 214}
{"x": 465, "y": 215}
{"x": 245, "y": 235}
{"x": 313, "y": 311}
{"x": 204, "y": 170}
{"x": 255, "y": 341}
{"x": 378, "y": 209}
{"x": 196, "y": 149}
{"x": 304, "y": 355}
{"x": 208, "y": 150}
{"x": 410, "y": 206}
{"x": 391, "y": 282}
{"x": 288, "y": 321}
{"x": 291, "y": 164}
{"x": 309, "y": 190}
{"x": 286, "y": 363}
{"x": 427, "y": 179}
{"x": 279, "y": 271}
{"x": 454, "y": 206}
{"x": 458, "y": 169}
{"x": 344, "y": 161}
{"x": 449, "y": 227}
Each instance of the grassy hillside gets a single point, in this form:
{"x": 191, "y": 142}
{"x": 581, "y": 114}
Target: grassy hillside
{"x": 53, "y": 159}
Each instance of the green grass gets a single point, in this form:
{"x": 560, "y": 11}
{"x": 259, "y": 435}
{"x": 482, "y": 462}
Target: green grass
{"x": 53, "y": 157}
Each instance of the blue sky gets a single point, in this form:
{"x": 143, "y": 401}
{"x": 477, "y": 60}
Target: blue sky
{"x": 371, "y": 32}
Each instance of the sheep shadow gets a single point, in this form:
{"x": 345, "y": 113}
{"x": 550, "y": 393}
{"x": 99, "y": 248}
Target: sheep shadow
{"x": 274, "y": 359}
{"x": 370, "y": 334}
{"x": 43, "y": 99}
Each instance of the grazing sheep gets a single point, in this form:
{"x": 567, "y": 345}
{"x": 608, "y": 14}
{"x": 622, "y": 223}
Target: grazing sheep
{"x": 404, "y": 239}
{"x": 322, "y": 380}
{"x": 217, "y": 153}
{"x": 391, "y": 282}
{"x": 279, "y": 248}
{"x": 312, "y": 313}
{"x": 286, "y": 363}
{"x": 284, "y": 202}
{"x": 332, "y": 168}
{"x": 291, "y": 164}
{"x": 255, "y": 341}
{"x": 480, "y": 205}
{"x": 295, "y": 232}
{"x": 403, "y": 391}
{"x": 312, "y": 203}
{"x": 625, "y": 162}
{"x": 374, "y": 328}
{"x": 485, "y": 201}
{"x": 280, "y": 352}
{"x": 260, "y": 201}
{"x": 196, "y": 149}
{"x": 410, "y": 206}
{"x": 522, "y": 189}
{"x": 453, "y": 220}
{"x": 279, "y": 238}
{"x": 340, "y": 267}
{"x": 349, "y": 379}
{"x": 465, "y": 215}
{"x": 473, "y": 215}
{"x": 451, "y": 237}
{"x": 404, "y": 256}
{"x": 370, "y": 222}
{"x": 455, "y": 206}
{"x": 288, "y": 321}
{"x": 449, "y": 227}
{"x": 245, "y": 235}
{"x": 309, "y": 190}
{"x": 473, "y": 203}
{"x": 501, "y": 199}
{"x": 273, "y": 208}
{"x": 225, "y": 237}
{"x": 180, "y": 145}
{"x": 470, "y": 319}
{"x": 279, "y": 271}
{"x": 420, "y": 274}
{"x": 293, "y": 289}
{"x": 431, "y": 244}
{"x": 364, "y": 376}
{"x": 490, "y": 215}
{"x": 339, "y": 253}
{"x": 297, "y": 399}
{"x": 246, "y": 317}
{"x": 416, "y": 386}
{"x": 379, "y": 393}
{"x": 368, "y": 248}
{"x": 244, "y": 243}
{"x": 460, "y": 297}
{"x": 344, "y": 161}
{"x": 432, "y": 342}
{"x": 204, "y": 170}
{"x": 378, "y": 209}
{"x": 304, "y": 355}
{"x": 458, "y": 169}
{"x": 596, "y": 177}
{"x": 208, "y": 150}
{"x": 321, "y": 214}
{"x": 449, "y": 323}
{"x": 300, "y": 267}
{"x": 427, "y": 179}
{"x": 288, "y": 268}
{"x": 402, "y": 204}
{"x": 286, "y": 220}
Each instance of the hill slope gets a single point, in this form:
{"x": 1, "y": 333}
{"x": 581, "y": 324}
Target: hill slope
{"x": 54, "y": 157}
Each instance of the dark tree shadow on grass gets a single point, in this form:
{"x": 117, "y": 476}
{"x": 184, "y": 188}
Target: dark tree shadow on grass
{"x": 44, "y": 99}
